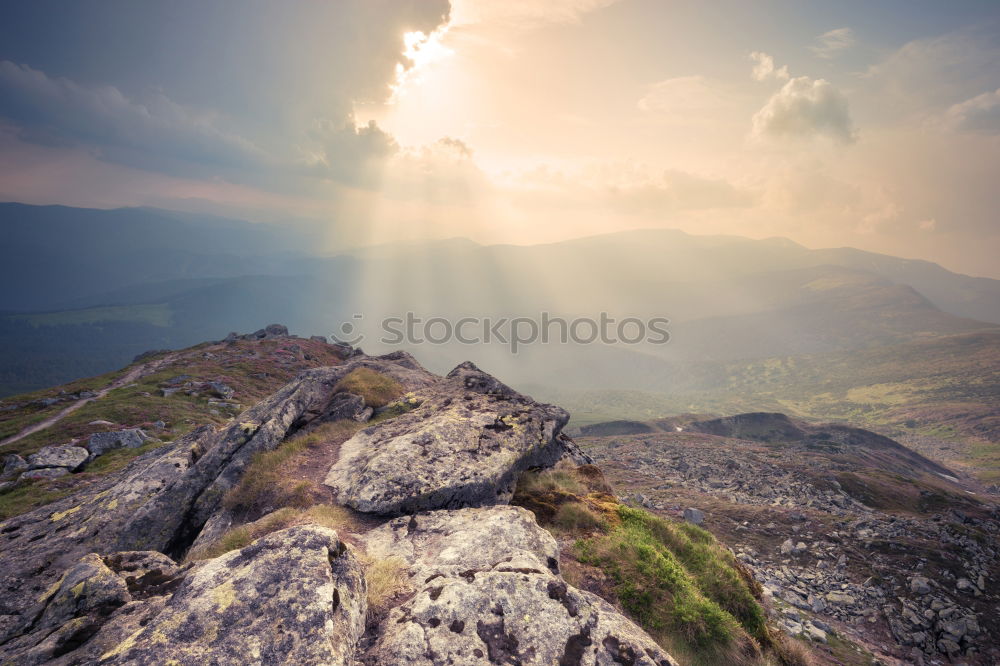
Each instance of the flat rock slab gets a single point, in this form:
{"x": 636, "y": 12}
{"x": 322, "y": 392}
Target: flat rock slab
{"x": 463, "y": 446}
{"x": 70, "y": 457}
{"x": 487, "y": 592}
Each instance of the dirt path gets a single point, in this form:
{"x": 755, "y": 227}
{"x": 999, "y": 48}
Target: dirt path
{"x": 129, "y": 377}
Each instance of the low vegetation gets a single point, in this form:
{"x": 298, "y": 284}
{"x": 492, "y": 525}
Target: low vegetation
{"x": 386, "y": 580}
{"x": 673, "y": 578}
{"x": 334, "y": 517}
{"x": 30, "y": 495}
{"x": 267, "y": 483}
{"x": 377, "y": 389}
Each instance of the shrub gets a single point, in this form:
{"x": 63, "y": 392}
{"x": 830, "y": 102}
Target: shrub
{"x": 377, "y": 389}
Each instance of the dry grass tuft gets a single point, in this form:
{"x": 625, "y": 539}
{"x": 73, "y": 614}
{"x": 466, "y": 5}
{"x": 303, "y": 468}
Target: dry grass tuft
{"x": 265, "y": 483}
{"x": 377, "y": 389}
{"x": 325, "y": 515}
{"x": 386, "y": 580}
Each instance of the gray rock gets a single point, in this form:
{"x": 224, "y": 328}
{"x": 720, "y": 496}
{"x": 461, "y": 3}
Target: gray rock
{"x": 692, "y": 515}
{"x": 70, "y": 457}
{"x": 318, "y": 338}
{"x": 787, "y": 547}
{"x": 296, "y": 596}
{"x": 102, "y": 442}
{"x": 487, "y": 591}
{"x": 171, "y": 521}
{"x": 815, "y": 633}
{"x": 13, "y": 463}
{"x": 44, "y": 473}
{"x": 920, "y": 585}
{"x": 464, "y": 445}
{"x": 222, "y": 390}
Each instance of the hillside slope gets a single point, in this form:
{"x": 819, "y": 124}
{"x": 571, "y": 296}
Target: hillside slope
{"x": 358, "y": 512}
{"x": 844, "y": 528}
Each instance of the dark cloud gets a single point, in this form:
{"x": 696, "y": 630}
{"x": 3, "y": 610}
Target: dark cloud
{"x": 248, "y": 91}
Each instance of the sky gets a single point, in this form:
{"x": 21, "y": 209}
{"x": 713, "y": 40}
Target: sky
{"x": 872, "y": 125}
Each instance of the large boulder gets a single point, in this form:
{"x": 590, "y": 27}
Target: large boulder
{"x": 465, "y": 445}
{"x": 102, "y": 442}
{"x": 487, "y": 591}
{"x": 69, "y": 457}
{"x": 292, "y": 597}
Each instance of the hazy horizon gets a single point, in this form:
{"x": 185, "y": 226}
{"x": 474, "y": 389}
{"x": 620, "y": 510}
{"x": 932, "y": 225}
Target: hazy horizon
{"x": 839, "y": 126}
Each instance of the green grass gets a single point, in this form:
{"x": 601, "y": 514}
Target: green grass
{"x": 29, "y": 496}
{"x": 377, "y": 389}
{"x": 118, "y": 459}
{"x": 153, "y": 314}
{"x": 676, "y": 581}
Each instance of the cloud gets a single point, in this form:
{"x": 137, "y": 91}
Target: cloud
{"x": 805, "y": 108}
{"x": 924, "y": 77}
{"x": 628, "y": 187}
{"x": 264, "y": 98}
{"x": 833, "y": 42}
{"x": 980, "y": 114}
{"x": 522, "y": 13}
{"x": 58, "y": 111}
{"x": 684, "y": 97}
{"x": 764, "y": 69}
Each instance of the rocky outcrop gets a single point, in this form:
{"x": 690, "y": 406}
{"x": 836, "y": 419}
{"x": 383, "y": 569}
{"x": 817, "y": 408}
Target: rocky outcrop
{"x": 487, "y": 591}
{"x": 94, "y": 577}
{"x": 463, "y": 446}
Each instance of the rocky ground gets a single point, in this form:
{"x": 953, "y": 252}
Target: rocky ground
{"x": 852, "y": 536}
{"x": 112, "y": 574}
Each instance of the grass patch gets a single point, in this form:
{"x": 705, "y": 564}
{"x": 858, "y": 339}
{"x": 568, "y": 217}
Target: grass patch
{"x": 377, "y": 389}
{"x": 325, "y": 515}
{"x": 154, "y": 315}
{"x": 681, "y": 585}
{"x": 28, "y": 496}
{"x": 118, "y": 459}
{"x": 577, "y": 516}
{"x": 386, "y": 580}
{"x": 265, "y": 483}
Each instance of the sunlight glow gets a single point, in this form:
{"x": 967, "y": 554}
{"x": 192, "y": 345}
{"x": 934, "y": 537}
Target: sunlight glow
{"x": 421, "y": 50}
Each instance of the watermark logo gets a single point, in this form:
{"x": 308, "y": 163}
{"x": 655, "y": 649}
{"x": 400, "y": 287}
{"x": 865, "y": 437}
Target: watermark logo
{"x": 515, "y": 332}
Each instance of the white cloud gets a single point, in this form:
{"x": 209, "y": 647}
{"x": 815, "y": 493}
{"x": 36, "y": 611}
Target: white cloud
{"x": 980, "y": 114}
{"x": 764, "y": 69}
{"x": 684, "y": 97}
{"x": 805, "y": 108}
{"x": 833, "y": 42}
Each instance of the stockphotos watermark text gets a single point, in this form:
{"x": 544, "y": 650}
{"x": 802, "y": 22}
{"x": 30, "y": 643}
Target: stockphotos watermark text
{"x": 515, "y": 332}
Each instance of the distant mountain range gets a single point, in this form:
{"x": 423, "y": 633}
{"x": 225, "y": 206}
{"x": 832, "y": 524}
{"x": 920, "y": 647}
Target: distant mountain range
{"x": 754, "y": 324}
